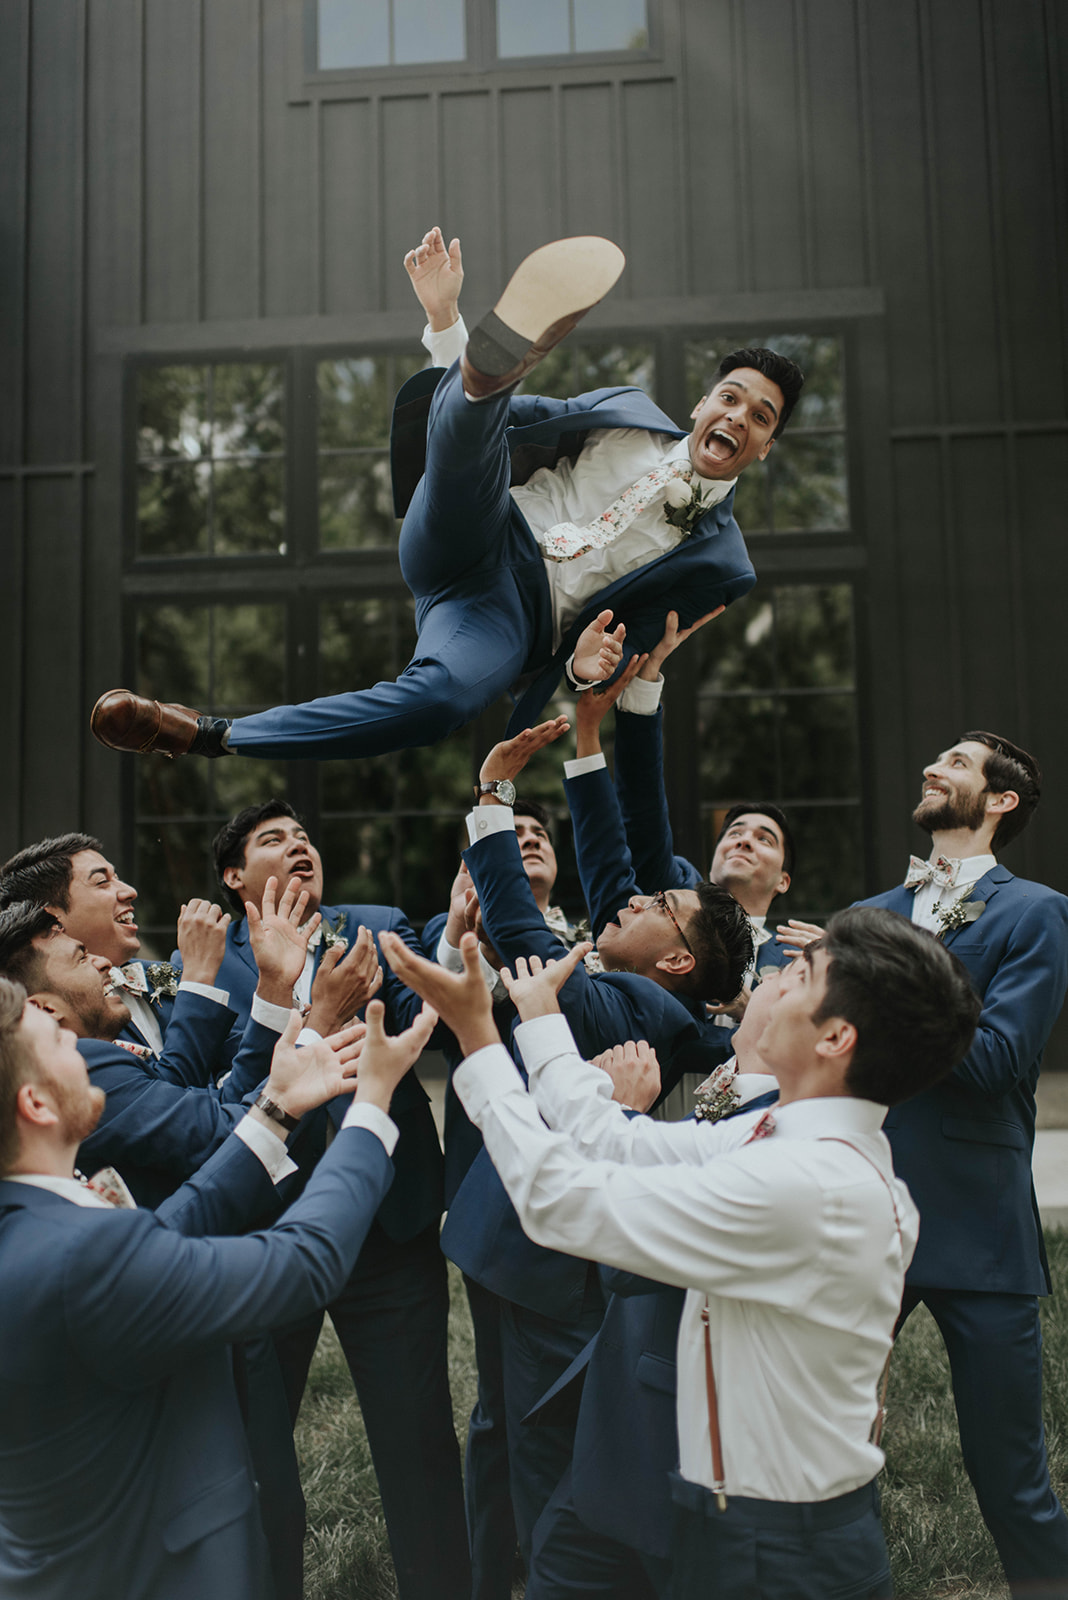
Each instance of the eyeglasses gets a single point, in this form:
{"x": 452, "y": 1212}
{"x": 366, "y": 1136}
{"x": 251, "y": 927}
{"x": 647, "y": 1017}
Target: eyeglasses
{"x": 660, "y": 901}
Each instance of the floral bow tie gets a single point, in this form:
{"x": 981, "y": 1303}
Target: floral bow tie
{"x": 131, "y": 977}
{"x": 942, "y": 871}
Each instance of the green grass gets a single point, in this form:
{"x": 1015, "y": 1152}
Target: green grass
{"x": 938, "y": 1544}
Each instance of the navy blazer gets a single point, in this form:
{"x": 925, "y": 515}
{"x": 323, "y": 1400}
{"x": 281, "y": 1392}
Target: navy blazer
{"x": 124, "y": 1466}
{"x": 709, "y": 568}
{"x": 417, "y": 1197}
{"x": 964, "y": 1147}
{"x": 482, "y": 1233}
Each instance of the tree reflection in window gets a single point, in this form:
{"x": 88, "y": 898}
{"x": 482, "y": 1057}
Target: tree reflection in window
{"x": 211, "y": 460}
{"x": 229, "y": 661}
{"x": 356, "y": 396}
{"x": 803, "y": 484}
{"x": 776, "y": 720}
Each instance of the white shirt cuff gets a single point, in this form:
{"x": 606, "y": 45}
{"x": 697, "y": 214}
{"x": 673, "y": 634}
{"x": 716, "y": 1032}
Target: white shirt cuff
{"x": 361, "y": 1114}
{"x": 206, "y": 991}
{"x": 580, "y": 764}
{"x": 484, "y": 820}
{"x": 485, "y": 1076}
{"x": 268, "y": 1149}
{"x": 542, "y": 1039}
{"x": 642, "y": 698}
{"x": 451, "y": 960}
{"x": 447, "y": 345}
{"x": 309, "y": 1036}
{"x": 271, "y": 1016}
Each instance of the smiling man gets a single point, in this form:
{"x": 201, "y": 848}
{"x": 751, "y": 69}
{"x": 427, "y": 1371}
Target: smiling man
{"x": 533, "y": 525}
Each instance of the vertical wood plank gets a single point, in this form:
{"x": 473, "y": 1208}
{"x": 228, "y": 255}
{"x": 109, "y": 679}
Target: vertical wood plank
{"x": 12, "y": 621}
{"x": 654, "y": 206}
{"x": 51, "y": 771}
{"x": 350, "y": 278}
{"x": 531, "y": 201}
{"x": 14, "y": 200}
{"x": 230, "y": 201}
{"x": 408, "y": 179}
{"x": 468, "y": 161}
{"x": 114, "y": 164}
{"x": 713, "y": 170}
{"x": 773, "y": 195}
{"x": 290, "y": 264}
{"x": 172, "y": 135}
{"x": 590, "y": 157}
{"x": 839, "y": 219}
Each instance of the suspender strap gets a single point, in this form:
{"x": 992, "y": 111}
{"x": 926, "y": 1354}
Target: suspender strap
{"x": 719, "y": 1482}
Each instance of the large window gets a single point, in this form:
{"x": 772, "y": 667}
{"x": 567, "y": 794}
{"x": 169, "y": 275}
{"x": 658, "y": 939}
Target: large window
{"x": 263, "y": 570}
{"x": 357, "y": 34}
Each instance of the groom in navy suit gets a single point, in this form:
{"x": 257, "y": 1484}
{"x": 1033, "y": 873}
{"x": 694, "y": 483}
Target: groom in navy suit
{"x": 535, "y": 523}
{"x": 964, "y": 1147}
{"x": 391, "y": 1317}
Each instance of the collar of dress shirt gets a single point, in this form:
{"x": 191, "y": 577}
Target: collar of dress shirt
{"x": 828, "y": 1114}
{"x": 68, "y": 1188}
{"x": 749, "y": 1085}
{"x": 970, "y": 868}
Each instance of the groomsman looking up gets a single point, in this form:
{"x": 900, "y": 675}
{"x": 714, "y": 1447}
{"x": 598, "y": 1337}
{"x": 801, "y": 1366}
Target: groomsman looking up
{"x": 788, "y": 1229}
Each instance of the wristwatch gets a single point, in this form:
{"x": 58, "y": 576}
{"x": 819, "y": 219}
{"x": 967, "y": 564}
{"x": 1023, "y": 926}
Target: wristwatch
{"x": 502, "y": 788}
{"x": 272, "y": 1109}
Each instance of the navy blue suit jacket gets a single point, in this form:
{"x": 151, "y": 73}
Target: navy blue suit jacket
{"x": 482, "y": 1233}
{"x": 709, "y": 568}
{"x": 964, "y": 1147}
{"x": 416, "y": 1198}
{"x": 123, "y": 1460}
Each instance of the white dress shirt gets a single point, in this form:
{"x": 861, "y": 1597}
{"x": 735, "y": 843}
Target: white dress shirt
{"x": 793, "y": 1239}
{"x": 143, "y": 1014}
{"x": 611, "y": 460}
{"x": 931, "y": 898}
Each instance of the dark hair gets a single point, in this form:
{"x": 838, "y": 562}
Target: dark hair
{"x": 721, "y": 937}
{"x": 909, "y": 998}
{"x": 16, "y": 1066}
{"x": 776, "y": 368}
{"x": 1009, "y": 767}
{"x": 20, "y": 925}
{"x": 532, "y": 808}
{"x": 762, "y": 808}
{"x": 41, "y": 872}
{"x": 228, "y": 845}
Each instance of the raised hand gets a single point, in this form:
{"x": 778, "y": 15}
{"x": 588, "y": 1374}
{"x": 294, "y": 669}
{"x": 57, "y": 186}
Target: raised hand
{"x": 507, "y": 759}
{"x": 385, "y": 1058}
{"x": 344, "y": 983}
{"x": 278, "y": 941}
{"x": 598, "y": 652}
{"x": 590, "y": 708}
{"x": 461, "y": 999}
{"x": 535, "y": 986}
{"x": 463, "y": 908}
{"x": 437, "y": 274}
{"x": 797, "y": 935}
{"x": 302, "y": 1079}
{"x": 634, "y": 1071}
{"x": 202, "y": 940}
{"x": 672, "y": 637}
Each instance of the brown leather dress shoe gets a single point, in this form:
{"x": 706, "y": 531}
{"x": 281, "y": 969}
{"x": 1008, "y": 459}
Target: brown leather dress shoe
{"x": 547, "y": 295}
{"x": 126, "y": 721}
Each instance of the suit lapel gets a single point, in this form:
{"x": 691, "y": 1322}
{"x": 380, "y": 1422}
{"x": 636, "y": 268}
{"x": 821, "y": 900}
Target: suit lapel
{"x": 985, "y": 889}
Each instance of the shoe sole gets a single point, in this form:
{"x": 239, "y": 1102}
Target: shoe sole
{"x": 560, "y": 280}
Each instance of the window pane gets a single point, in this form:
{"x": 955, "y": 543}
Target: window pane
{"x": 428, "y": 854}
{"x": 737, "y": 748}
{"x": 573, "y": 369}
{"x": 248, "y": 401}
{"x": 737, "y": 650}
{"x": 175, "y": 788}
{"x": 172, "y": 864}
{"x": 249, "y": 658}
{"x": 819, "y": 746}
{"x": 355, "y": 502}
{"x": 173, "y": 509}
{"x": 353, "y": 33}
{"x": 752, "y": 499}
{"x": 358, "y": 858}
{"x": 428, "y": 30}
{"x": 532, "y": 30}
{"x": 610, "y": 25}
{"x": 808, "y": 482}
{"x": 172, "y": 412}
{"x": 829, "y": 873}
{"x": 174, "y": 654}
{"x": 249, "y": 507}
{"x": 439, "y": 776}
{"x": 355, "y": 402}
{"x": 814, "y": 636}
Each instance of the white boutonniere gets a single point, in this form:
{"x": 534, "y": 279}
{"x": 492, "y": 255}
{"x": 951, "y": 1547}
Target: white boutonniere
{"x": 685, "y": 505}
{"x": 331, "y": 936}
{"x": 163, "y": 979}
{"x": 716, "y": 1096}
{"x": 959, "y": 914}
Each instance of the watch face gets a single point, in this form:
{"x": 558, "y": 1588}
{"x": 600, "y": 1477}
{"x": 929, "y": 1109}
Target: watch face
{"x": 505, "y": 791}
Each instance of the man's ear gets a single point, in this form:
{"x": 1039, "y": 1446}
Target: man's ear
{"x": 1008, "y": 801}
{"x": 33, "y": 1106}
{"x": 697, "y": 407}
{"x": 763, "y": 454}
{"x": 783, "y": 884}
{"x": 837, "y": 1041}
{"x": 58, "y": 1007}
{"x": 676, "y": 964}
{"x": 232, "y": 878}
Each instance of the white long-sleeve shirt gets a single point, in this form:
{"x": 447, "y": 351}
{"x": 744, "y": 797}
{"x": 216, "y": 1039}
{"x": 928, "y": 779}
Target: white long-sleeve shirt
{"x": 793, "y": 1239}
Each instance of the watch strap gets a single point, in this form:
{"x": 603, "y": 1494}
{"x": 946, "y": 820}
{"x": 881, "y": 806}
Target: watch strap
{"x": 272, "y": 1109}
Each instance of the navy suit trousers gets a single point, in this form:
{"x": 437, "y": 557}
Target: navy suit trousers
{"x": 570, "y": 1560}
{"x": 994, "y": 1344}
{"x": 468, "y": 562}
{"x": 487, "y": 1485}
{"x": 391, "y": 1320}
{"x": 775, "y": 1550}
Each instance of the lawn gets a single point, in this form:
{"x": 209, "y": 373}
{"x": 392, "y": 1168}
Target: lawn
{"x": 938, "y": 1544}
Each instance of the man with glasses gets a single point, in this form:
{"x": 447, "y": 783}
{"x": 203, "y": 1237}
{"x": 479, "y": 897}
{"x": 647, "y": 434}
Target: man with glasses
{"x": 664, "y": 956}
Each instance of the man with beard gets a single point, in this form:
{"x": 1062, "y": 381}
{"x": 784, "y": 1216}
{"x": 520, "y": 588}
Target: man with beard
{"x": 964, "y": 1147}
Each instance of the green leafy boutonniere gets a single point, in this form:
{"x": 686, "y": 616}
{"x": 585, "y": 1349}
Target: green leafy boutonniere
{"x": 716, "y": 1096}
{"x": 685, "y": 505}
{"x": 332, "y": 936}
{"x": 163, "y": 980}
{"x": 958, "y": 915}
